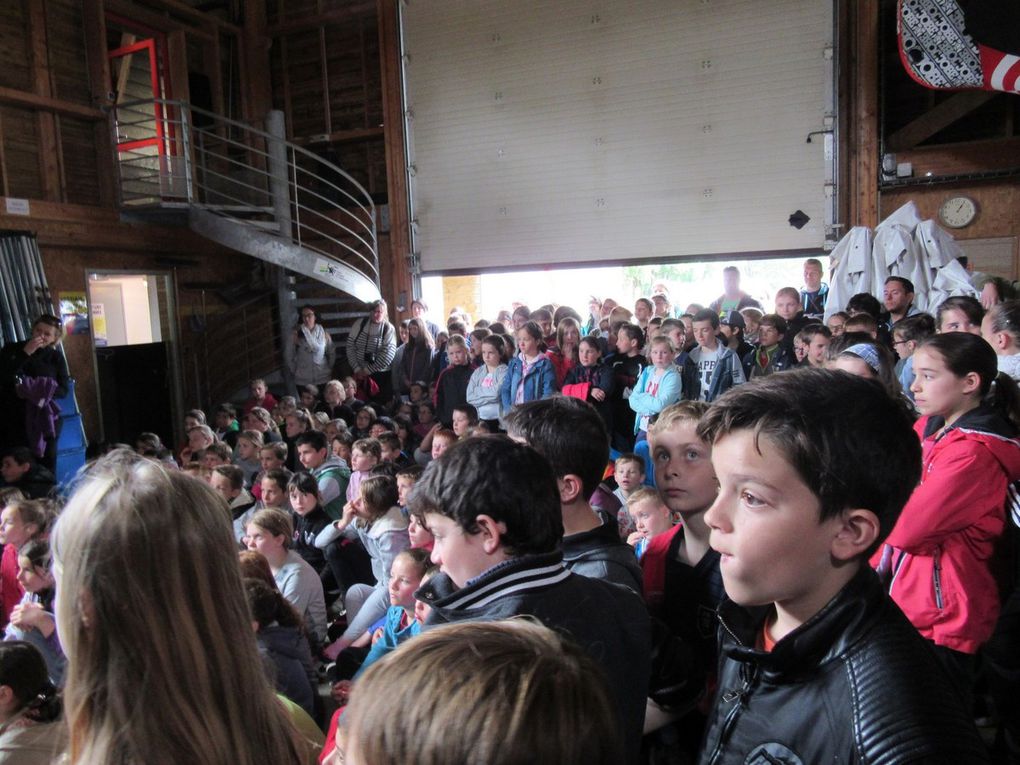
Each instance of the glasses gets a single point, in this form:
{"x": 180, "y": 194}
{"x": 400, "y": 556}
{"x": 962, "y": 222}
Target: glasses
{"x": 900, "y": 342}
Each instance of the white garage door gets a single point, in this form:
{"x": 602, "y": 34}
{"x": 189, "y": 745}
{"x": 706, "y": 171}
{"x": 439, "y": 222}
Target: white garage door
{"x": 572, "y": 131}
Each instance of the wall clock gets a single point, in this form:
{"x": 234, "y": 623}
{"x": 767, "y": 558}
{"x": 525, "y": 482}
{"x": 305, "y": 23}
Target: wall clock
{"x": 957, "y": 212}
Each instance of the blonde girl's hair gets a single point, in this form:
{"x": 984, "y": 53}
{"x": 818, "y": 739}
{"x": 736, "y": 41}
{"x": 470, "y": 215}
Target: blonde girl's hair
{"x": 153, "y": 619}
{"x": 262, "y": 415}
{"x": 253, "y": 437}
{"x": 276, "y": 522}
{"x": 499, "y": 693}
{"x": 661, "y": 340}
{"x": 337, "y": 387}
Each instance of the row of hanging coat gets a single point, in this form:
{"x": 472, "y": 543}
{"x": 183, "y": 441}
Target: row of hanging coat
{"x": 901, "y": 245}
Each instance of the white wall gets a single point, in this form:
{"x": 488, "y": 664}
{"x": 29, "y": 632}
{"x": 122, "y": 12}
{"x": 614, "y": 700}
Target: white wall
{"x": 578, "y": 131}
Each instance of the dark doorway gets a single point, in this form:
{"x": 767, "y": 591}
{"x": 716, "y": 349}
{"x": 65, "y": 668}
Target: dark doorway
{"x": 134, "y": 391}
{"x": 134, "y": 339}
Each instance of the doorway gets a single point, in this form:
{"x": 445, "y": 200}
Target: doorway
{"x": 134, "y": 338}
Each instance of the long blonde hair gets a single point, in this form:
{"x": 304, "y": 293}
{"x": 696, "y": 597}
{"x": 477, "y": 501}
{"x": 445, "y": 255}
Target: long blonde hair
{"x": 162, "y": 661}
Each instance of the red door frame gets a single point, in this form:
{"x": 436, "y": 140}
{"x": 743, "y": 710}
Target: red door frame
{"x": 157, "y": 49}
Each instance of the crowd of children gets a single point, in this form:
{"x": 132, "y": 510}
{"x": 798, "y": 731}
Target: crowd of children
{"x": 756, "y": 537}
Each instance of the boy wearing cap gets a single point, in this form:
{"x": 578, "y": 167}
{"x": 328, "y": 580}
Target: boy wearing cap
{"x": 732, "y": 327}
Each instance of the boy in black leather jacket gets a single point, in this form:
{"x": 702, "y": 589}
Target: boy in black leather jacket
{"x": 817, "y": 664}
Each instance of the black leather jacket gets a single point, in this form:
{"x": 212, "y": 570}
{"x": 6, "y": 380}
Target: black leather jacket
{"x": 855, "y": 684}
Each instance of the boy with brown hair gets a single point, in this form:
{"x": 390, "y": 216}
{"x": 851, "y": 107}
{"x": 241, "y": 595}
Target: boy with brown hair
{"x": 817, "y": 663}
{"x": 494, "y": 508}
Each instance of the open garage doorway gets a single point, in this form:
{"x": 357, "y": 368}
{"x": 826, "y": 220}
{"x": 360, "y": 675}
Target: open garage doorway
{"x": 484, "y": 295}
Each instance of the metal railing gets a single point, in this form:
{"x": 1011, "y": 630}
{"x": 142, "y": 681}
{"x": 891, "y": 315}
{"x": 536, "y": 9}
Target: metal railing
{"x": 172, "y": 154}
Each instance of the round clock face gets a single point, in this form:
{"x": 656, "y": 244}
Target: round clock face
{"x": 957, "y": 212}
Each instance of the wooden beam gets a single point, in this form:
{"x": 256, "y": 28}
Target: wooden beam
{"x": 42, "y": 85}
{"x": 124, "y": 67}
{"x": 864, "y": 86}
{"x": 963, "y": 158}
{"x": 326, "y": 110}
{"x": 192, "y": 14}
{"x": 399, "y": 275}
{"x": 4, "y": 186}
{"x": 338, "y": 16}
{"x": 177, "y": 53}
{"x": 94, "y": 27}
{"x": 154, "y": 19}
{"x": 213, "y": 68}
{"x": 255, "y": 67}
{"x": 341, "y": 136}
{"x": 940, "y": 117}
{"x": 55, "y": 105}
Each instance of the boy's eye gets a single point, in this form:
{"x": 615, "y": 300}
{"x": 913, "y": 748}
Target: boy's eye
{"x": 751, "y": 500}
{"x": 692, "y": 455}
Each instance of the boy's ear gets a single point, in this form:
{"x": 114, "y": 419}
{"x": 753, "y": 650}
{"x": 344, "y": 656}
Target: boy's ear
{"x": 571, "y": 488}
{"x": 860, "y": 528}
{"x": 491, "y": 531}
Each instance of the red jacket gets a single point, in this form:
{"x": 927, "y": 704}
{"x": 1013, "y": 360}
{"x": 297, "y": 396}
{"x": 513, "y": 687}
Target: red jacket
{"x": 10, "y": 588}
{"x": 939, "y": 552}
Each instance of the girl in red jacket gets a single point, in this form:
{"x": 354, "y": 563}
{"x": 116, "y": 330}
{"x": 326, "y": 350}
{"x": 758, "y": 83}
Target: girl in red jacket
{"x": 938, "y": 555}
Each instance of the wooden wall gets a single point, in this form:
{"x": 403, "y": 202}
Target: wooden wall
{"x": 75, "y": 240}
{"x": 998, "y": 210}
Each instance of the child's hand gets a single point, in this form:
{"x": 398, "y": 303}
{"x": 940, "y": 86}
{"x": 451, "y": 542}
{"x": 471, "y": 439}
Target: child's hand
{"x": 434, "y": 428}
{"x": 350, "y": 512}
{"x": 341, "y": 691}
{"x": 634, "y": 538}
{"x": 333, "y": 650}
{"x": 28, "y": 615}
{"x": 598, "y": 394}
{"x": 377, "y": 635}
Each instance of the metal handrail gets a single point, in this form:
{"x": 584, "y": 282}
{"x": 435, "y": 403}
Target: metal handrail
{"x": 229, "y": 168}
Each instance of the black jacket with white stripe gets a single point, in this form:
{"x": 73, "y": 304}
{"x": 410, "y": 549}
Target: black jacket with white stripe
{"x": 608, "y": 621}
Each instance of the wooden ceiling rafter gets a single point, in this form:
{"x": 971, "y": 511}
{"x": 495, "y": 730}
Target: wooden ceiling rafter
{"x": 156, "y": 20}
{"x": 186, "y": 11}
{"x": 938, "y": 118}
{"x": 325, "y": 18}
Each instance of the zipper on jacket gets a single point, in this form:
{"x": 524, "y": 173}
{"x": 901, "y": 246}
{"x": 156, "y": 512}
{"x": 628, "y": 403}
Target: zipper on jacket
{"x": 937, "y": 577}
{"x": 737, "y": 696}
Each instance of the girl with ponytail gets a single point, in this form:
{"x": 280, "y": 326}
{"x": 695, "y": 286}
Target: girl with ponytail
{"x": 938, "y": 555}
{"x": 29, "y": 708}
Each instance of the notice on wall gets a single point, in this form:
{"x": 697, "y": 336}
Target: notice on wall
{"x": 16, "y": 206}
{"x": 74, "y": 312}
{"x": 99, "y": 325}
